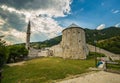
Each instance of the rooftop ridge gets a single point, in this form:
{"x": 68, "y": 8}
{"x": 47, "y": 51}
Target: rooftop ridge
{"x": 73, "y": 25}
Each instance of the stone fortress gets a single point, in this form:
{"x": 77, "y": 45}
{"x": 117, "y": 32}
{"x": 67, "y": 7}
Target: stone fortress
{"x": 72, "y": 46}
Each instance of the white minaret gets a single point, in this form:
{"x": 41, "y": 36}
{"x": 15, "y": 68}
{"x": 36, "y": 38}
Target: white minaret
{"x": 28, "y": 36}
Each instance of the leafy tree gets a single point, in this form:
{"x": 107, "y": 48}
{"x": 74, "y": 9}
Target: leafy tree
{"x": 3, "y": 55}
{"x": 17, "y": 53}
{"x": 3, "y": 52}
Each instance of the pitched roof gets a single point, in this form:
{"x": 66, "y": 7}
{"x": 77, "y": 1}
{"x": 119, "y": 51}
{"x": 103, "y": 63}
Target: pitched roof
{"x": 72, "y": 26}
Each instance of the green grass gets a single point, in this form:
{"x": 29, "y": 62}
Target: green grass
{"x": 45, "y": 70}
{"x": 93, "y": 54}
{"x": 114, "y": 66}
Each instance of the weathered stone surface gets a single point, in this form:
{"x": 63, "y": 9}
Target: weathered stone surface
{"x": 73, "y": 43}
{"x": 43, "y": 53}
{"x": 72, "y": 46}
{"x": 28, "y": 36}
{"x": 57, "y": 50}
{"x": 33, "y": 53}
{"x": 107, "y": 53}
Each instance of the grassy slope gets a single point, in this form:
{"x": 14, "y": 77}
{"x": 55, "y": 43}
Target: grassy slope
{"x": 45, "y": 70}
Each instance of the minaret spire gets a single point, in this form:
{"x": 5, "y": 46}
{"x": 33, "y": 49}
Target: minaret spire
{"x": 28, "y": 35}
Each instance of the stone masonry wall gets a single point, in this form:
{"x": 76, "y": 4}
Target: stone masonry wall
{"x": 73, "y": 43}
{"x": 107, "y": 53}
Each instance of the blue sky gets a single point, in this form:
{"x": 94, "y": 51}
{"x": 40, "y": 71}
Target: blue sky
{"x": 49, "y": 17}
{"x": 92, "y": 13}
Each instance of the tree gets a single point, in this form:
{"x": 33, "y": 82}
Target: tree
{"x": 3, "y": 52}
{"x": 3, "y": 55}
{"x": 17, "y": 53}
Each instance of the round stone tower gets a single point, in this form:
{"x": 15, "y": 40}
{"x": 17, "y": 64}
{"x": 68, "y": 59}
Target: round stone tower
{"x": 73, "y": 43}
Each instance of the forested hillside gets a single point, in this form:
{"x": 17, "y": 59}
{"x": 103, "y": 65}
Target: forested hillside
{"x": 97, "y": 35}
{"x": 111, "y": 44}
{"x": 47, "y": 43}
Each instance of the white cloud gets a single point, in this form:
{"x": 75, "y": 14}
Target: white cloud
{"x": 100, "y": 27}
{"x": 10, "y": 9}
{"x": 46, "y": 26}
{"x": 1, "y": 22}
{"x": 17, "y": 35}
{"x": 117, "y": 25}
{"x": 20, "y": 12}
{"x": 43, "y": 27}
{"x": 115, "y": 11}
{"x": 54, "y": 8}
{"x": 41, "y": 13}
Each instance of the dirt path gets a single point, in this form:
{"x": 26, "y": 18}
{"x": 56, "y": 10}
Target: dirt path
{"x": 14, "y": 64}
{"x": 98, "y": 77}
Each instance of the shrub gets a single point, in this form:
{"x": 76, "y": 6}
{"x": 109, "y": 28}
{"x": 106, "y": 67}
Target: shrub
{"x": 3, "y": 53}
{"x": 17, "y": 53}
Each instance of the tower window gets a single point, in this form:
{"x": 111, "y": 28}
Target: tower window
{"x": 73, "y": 31}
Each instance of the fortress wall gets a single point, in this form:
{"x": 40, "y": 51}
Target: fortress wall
{"x": 72, "y": 46}
{"x": 107, "y": 53}
{"x": 73, "y": 43}
{"x": 57, "y": 50}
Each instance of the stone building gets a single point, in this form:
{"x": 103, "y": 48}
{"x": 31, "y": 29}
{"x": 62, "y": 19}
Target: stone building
{"x": 57, "y": 50}
{"x": 73, "y": 44}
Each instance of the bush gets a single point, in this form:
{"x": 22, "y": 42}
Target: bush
{"x": 3, "y": 53}
{"x": 17, "y": 53}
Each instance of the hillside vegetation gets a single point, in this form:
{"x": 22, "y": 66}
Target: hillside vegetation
{"x": 111, "y": 44}
{"x": 47, "y": 43}
{"x": 106, "y": 33}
